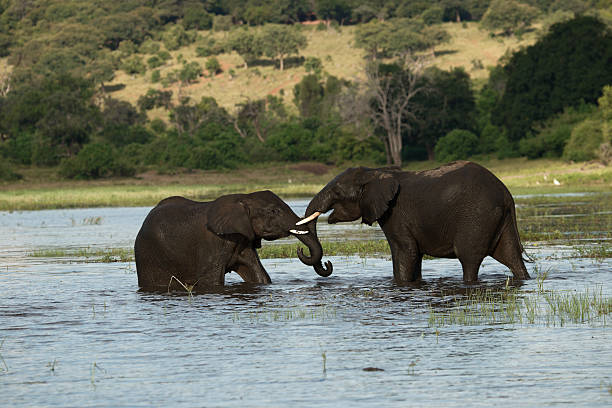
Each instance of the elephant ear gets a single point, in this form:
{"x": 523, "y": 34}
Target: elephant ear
{"x": 379, "y": 190}
{"x": 228, "y": 215}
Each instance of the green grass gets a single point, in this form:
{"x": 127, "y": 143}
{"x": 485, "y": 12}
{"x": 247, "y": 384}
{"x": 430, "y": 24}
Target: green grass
{"x": 287, "y": 180}
{"x": 90, "y": 255}
{"x": 511, "y": 306}
{"x": 363, "y": 248}
{"x": 286, "y": 314}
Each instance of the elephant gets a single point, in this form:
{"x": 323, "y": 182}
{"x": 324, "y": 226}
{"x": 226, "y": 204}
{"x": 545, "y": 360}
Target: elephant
{"x": 459, "y": 210}
{"x": 197, "y": 243}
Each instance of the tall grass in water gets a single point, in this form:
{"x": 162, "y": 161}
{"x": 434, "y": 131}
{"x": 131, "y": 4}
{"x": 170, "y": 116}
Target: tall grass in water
{"x": 511, "y": 306}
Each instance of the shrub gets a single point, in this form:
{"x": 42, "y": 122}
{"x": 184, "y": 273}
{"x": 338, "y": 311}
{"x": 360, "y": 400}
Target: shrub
{"x": 553, "y": 134}
{"x": 585, "y": 141}
{"x": 433, "y": 15}
{"x": 213, "y": 66}
{"x": 95, "y": 160}
{"x": 369, "y": 150}
{"x": 134, "y": 65}
{"x": 458, "y": 144}
{"x": 176, "y": 37}
{"x": 154, "y": 62}
{"x": 7, "y": 173}
{"x": 149, "y": 47}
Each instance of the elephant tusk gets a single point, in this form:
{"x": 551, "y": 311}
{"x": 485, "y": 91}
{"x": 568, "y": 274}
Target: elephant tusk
{"x": 298, "y": 232}
{"x": 308, "y": 219}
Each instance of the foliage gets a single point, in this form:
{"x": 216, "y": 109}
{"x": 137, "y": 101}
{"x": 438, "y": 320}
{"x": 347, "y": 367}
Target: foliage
{"x": 7, "y": 173}
{"x": 509, "y": 16}
{"x": 585, "y": 141}
{"x": 456, "y": 145}
{"x": 176, "y": 37}
{"x": 96, "y": 160}
{"x": 280, "y": 42}
{"x": 566, "y": 67}
{"x": 134, "y": 65}
{"x": 213, "y": 66}
{"x": 448, "y": 104}
{"x": 552, "y": 135}
{"x": 398, "y": 37}
{"x": 196, "y": 17}
{"x": 315, "y": 97}
{"x": 154, "y": 99}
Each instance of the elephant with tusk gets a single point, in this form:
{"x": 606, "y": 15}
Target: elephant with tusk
{"x": 197, "y": 243}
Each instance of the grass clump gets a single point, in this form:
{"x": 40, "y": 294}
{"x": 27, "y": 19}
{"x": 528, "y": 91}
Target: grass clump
{"x": 330, "y": 248}
{"x": 510, "y": 306}
{"x": 319, "y": 313}
{"x": 91, "y": 255}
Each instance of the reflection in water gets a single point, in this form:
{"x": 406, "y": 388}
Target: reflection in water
{"x": 301, "y": 341}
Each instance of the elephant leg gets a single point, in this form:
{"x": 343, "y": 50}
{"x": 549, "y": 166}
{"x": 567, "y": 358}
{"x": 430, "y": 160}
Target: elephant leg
{"x": 407, "y": 261}
{"x": 249, "y": 267}
{"x": 508, "y": 252}
{"x": 470, "y": 254}
{"x": 470, "y": 270}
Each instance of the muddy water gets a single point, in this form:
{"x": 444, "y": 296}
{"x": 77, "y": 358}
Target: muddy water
{"x": 80, "y": 334}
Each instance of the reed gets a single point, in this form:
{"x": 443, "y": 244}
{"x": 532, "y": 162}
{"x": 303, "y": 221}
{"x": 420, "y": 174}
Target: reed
{"x": 320, "y": 313}
{"x": 509, "y": 306}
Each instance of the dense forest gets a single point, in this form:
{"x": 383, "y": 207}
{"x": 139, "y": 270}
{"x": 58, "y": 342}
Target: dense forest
{"x": 552, "y": 98}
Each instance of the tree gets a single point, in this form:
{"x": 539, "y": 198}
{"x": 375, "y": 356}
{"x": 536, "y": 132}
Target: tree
{"x": 261, "y": 115}
{"x": 449, "y": 104}
{"x": 399, "y": 37}
{"x": 509, "y": 16}
{"x": 338, "y": 10}
{"x": 246, "y": 44}
{"x": 569, "y": 65}
{"x": 280, "y": 41}
{"x": 317, "y": 98}
{"x": 392, "y": 89}
{"x": 189, "y": 118}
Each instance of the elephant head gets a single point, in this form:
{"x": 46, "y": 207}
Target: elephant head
{"x": 263, "y": 215}
{"x": 354, "y": 193}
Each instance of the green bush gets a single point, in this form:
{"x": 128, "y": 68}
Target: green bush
{"x": 369, "y": 150}
{"x": 213, "y": 66}
{"x": 149, "y": 47}
{"x": 134, "y": 65}
{"x": 433, "y": 15}
{"x": 7, "y": 173}
{"x": 155, "y": 76}
{"x": 585, "y": 141}
{"x": 458, "y": 144}
{"x": 291, "y": 142}
{"x": 154, "y": 62}
{"x": 176, "y": 37}
{"x": 95, "y": 160}
{"x": 552, "y": 135}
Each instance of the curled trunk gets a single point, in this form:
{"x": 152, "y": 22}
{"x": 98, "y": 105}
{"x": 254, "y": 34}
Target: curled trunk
{"x": 312, "y": 241}
{"x": 316, "y": 251}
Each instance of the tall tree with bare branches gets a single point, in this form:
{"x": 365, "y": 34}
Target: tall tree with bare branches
{"x": 392, "y": 90}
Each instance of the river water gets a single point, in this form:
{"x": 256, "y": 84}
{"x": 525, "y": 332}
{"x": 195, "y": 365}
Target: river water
{"x": 79, "y": 334}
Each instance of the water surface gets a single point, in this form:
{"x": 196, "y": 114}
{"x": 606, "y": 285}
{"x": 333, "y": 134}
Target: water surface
{"x": 81, "y": 334}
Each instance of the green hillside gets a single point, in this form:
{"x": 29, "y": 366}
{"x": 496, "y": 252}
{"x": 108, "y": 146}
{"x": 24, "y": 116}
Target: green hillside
{"x": 470, "y": 47}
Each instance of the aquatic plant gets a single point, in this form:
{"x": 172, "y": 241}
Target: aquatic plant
{"x": 298, "y": 313}
{"x": 510, "y": 306}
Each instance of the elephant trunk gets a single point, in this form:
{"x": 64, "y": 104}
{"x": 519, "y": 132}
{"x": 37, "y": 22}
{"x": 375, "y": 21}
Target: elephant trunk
{"x": 316, "y": 251}
{"x": 312, "y": 241}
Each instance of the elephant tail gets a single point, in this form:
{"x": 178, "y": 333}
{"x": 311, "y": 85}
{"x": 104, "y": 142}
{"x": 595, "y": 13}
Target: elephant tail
{"x": 512, "y": 209}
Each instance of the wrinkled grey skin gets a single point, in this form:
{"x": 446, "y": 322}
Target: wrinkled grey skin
{"x": 199, "y": 242}
{"x": 460, "y": 210}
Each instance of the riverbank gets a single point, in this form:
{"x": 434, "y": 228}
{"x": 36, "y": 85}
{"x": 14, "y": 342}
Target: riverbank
{"x": 42, "y": 189}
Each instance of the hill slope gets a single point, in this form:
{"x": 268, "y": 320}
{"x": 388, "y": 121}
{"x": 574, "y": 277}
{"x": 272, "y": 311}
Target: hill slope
{"x": 469, "y": 47}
